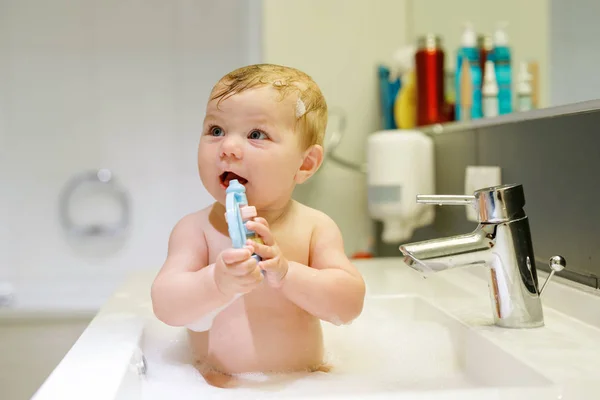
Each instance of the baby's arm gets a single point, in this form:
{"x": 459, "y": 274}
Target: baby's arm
{"x": 185, "y": 289}
{"x": 331, "y": 288}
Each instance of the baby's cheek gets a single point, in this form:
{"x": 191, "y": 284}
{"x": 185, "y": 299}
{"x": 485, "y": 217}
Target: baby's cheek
{"x": 278, "y": 174}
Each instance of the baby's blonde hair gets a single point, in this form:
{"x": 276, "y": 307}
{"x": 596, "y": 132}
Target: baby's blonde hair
{"x": 313, "y": 118}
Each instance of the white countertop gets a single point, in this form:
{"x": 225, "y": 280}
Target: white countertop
{"x": 566, "y": 351}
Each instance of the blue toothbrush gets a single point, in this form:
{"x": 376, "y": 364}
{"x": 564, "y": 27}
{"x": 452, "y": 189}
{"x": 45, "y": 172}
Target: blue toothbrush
{"x": 237, "y": 210}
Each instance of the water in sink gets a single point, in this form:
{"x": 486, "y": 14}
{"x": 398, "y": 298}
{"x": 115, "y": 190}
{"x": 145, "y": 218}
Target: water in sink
{"x": 397, "y": 344}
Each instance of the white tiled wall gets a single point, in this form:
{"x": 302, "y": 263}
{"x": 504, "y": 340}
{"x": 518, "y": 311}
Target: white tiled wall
{"x": 122, "y": 85}
{"x": 105, "y": 84}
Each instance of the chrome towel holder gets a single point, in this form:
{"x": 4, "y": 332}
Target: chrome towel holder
{"x": 95, "y": 177}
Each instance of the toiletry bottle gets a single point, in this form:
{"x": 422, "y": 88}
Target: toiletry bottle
{"x": 429, "y": 66}
{"x": 502, "y": 61}
{"x": 485, "y": 44}
{"x": 388, "y": 89}
{"x": 470, "y": 51}
{"x": 405, "y": 103}
{"x": 534, "y": 71}
{"x": 405, "y": 107}
{"x": 465, "y": 102}
{"x": 524, "y": 89}
{"x": 489, "y": 91}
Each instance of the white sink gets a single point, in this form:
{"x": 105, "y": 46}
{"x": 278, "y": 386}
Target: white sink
{"x": 407, "y": 343}
{"x": 398, "y": 344}
{"x": 416, "y": 339}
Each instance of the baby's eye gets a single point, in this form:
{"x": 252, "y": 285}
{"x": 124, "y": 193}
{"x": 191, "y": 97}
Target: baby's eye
{"x": 216, "y": 131}
{"x": 257, "y": 135}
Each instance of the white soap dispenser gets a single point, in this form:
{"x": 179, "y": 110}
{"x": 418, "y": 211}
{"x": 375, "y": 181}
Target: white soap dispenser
{"x": 400, "y": 165}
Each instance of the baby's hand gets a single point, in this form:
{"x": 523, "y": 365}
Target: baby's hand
{"x": 273, "y": 262}
{"x": 237, "y": 272}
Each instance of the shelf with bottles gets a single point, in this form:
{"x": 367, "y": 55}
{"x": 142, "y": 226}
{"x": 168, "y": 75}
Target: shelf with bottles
{"x": 418, "y": 90}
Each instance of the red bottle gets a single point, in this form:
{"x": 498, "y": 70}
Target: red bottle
{"x": 485, "y": 44}
{"x": 429, "y": 63}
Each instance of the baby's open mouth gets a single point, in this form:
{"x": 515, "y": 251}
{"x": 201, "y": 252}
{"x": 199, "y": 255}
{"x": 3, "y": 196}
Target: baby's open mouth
{"x": 228, "y": 176}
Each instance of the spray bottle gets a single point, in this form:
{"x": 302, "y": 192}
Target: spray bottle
{"x": 524, "y": 89}
{"x": 489, "y": 91}
{"x": 470, "y": 52}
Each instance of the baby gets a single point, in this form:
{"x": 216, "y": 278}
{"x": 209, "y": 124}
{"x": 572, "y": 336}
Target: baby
{"x": 264, "y": 126}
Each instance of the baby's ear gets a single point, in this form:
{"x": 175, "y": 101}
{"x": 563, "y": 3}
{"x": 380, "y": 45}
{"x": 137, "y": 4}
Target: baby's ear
{"x": 312, "y": 159}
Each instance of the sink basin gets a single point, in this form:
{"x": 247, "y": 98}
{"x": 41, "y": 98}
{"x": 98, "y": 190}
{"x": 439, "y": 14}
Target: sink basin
{"x": 416, "y": 339}
{"x": 417, "y": 346}
{"x": 398, "y": 344}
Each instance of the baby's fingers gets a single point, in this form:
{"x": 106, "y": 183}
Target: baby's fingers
{"x": 271, "y": 265}
{"x": 243, "y": 268}
{"x": 251, "y": 278}
{"x": 275, "y": 270}
{"x": 231, "y": 256}
{"x": 261, "y": 230}
{"x": 262, "y": 250}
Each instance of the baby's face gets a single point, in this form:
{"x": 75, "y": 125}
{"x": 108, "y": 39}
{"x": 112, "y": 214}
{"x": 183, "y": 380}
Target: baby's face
{"x": 251, "y": 137}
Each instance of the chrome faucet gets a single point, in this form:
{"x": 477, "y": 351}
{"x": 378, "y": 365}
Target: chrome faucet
{"x": 501, "y": 241}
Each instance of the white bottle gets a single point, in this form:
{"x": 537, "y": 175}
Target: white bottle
{"x": 489, "y": 91}
{"x": 524, "y": 89}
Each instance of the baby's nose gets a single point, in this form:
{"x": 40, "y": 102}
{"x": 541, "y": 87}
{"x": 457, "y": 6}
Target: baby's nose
{"x": 231, "y": 147}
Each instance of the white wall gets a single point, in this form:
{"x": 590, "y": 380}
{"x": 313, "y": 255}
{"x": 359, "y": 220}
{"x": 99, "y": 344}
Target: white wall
{"x": 105, "y": 84}
{"x": 339, "y": 43}
{"x": 528, "y": 28}
{"x": 123, "y": 84}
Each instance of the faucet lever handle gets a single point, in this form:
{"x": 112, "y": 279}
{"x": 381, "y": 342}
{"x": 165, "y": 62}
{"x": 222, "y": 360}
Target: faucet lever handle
{"x": 446, "y": 200}
{"x": 557, "y": 264}
{"x": 496, "y": 204}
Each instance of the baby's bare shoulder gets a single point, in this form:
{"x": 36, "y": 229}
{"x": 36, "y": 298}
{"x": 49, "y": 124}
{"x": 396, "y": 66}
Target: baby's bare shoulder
{"x": 326, "y": 242}
{"x": 191, "y": 226}
{"x": 187, "y": 250}
{"x": 316, "y": 219}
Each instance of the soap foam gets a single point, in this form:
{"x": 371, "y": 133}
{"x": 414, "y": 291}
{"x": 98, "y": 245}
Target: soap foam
{"x": 378, "y": 352}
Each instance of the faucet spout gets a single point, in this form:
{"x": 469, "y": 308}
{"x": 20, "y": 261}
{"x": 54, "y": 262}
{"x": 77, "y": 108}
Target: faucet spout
{"x": 501, "y": 242}
{"x": 506, "y": 249}
{"x": 452, "y": 252}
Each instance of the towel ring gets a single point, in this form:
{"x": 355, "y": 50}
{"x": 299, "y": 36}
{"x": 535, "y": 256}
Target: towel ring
{"x": 97, "y": 177}
{"x": 333, "y": 140}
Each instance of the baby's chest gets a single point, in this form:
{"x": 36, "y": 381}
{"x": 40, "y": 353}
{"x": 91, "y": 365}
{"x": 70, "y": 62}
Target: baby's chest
{"x": 295, "y": 246}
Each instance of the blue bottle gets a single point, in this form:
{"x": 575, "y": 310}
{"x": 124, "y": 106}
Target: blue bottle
{"x": 388, "y": 90}
{"x": 502, "y": 62}
{"x": 470, "y": 51}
